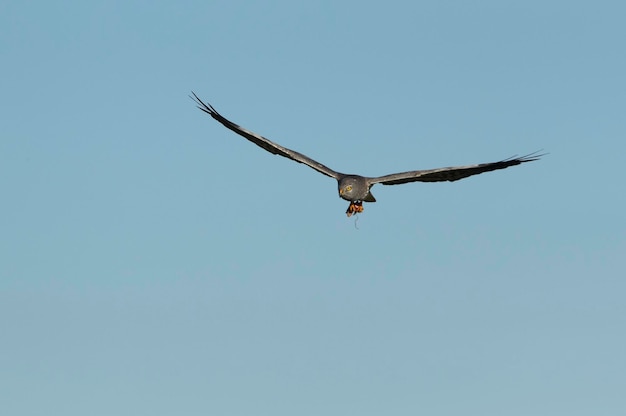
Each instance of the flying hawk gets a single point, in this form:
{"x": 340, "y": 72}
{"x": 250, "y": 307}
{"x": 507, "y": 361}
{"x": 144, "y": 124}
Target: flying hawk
{"x": 356, "y": 188}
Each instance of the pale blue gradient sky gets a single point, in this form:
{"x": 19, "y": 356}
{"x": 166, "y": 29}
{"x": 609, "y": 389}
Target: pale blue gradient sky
{"x": 153, "y": 262}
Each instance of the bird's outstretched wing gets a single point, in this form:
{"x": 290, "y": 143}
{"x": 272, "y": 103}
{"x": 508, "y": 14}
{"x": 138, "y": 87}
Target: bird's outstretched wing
{"x": 451, "y": 173}
{"x": 261, "y": 141}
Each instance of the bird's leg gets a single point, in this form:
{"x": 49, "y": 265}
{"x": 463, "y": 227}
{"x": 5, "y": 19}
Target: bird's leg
{"x": 354, "y": 208}
{"x": 350, "y": 209}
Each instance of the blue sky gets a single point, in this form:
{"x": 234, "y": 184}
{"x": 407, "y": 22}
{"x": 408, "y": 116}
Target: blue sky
{"x": 153, "y": 262}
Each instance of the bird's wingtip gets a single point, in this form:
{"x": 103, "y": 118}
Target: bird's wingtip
{"x": 207, "y": 108}
{"x": 530, "y": 157}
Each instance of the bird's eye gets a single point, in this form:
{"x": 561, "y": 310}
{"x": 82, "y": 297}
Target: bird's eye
{"x": 349, "y": 188}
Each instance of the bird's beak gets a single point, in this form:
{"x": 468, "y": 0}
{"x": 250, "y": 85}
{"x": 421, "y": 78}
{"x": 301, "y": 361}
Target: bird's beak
{"x": 341, "y": 191}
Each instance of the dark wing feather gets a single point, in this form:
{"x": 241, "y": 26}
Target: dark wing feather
{"x": 451, "y": 174}
{"x": 266, "y": 144}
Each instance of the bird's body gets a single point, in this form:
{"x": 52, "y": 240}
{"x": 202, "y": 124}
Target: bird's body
{"x": 356, "y": 188}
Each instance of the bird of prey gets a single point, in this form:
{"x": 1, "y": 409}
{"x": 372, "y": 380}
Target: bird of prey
{"x": 356, "y": 188}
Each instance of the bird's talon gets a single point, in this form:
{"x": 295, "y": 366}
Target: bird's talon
{"x": 351, "y": 209}
{"x": 354, "y": 208}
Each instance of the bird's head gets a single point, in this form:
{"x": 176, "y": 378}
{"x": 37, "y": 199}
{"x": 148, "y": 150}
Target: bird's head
{"x": 346, "y": 190}
{"x": 350, "y": 189}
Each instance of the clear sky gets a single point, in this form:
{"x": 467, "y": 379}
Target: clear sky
{"x": 154, "y": 263}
